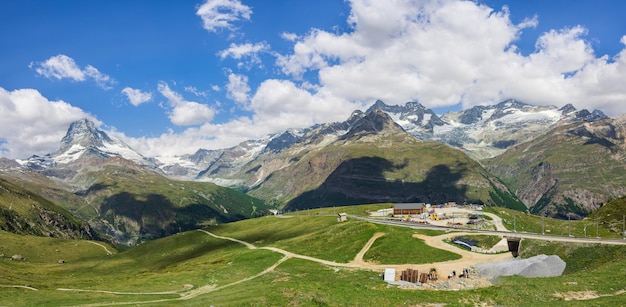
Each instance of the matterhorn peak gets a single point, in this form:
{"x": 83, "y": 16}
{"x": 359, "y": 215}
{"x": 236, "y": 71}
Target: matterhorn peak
{"x": 84, "y": 133}
{"x": 83, "y": 139}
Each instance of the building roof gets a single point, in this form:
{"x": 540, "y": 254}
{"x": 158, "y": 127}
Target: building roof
{"x": 408, "y": 206}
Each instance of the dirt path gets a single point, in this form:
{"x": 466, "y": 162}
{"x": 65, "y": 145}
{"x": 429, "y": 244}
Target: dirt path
{"x": 359, "y": 257}
{"x": 101, "y": 245}
{"x": 467, "y": 259}
{"x": 248, "y": 245}
{"x": 17, "y": 286}
{"x": 185, "y": 288}
{"x": 497, "y": 221}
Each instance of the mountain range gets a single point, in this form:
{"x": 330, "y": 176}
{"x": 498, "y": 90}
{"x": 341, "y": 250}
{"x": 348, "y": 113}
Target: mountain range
{"x": 122, "y": 195}
{"x": 553, "y": 161}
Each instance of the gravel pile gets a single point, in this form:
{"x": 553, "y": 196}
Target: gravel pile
{"x": 538, "y": 266}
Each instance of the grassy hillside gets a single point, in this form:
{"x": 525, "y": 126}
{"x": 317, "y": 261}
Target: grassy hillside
{"x": 193, "y": 268}
{"x": 134, "y": 204}
{"x": 611, "y": 215}
{"x": 523, "y": 222}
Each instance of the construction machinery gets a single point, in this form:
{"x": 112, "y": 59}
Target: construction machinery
{"x": 432, "y": 274}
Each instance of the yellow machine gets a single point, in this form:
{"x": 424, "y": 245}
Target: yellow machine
{"x": 432, "y": 275}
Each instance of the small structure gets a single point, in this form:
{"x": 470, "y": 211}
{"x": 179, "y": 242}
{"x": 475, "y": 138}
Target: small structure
{"x": 409, "y": 208}
{"x": 342, "y": 217}
{"x": 389, "y": 275}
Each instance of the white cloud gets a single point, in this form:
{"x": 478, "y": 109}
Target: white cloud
{"x": 104, "y": 81}
{"x": 237, "y": 88}
{"x": 247, "y": 54}
{"x": 289, "y": 36}
{"x": 59, "y": 66}
{"x": 220, "y": 14}
{"x": 195, "y": 91}
{"x": 63, "y": 67}
{"x": 239, "y": 51}
{"x": 277, "y": 105}
{"x": 32, "y": 124}
{"x": 282, "y": 104}
{"x": 439, "y": 52}
{"x": 445, "y": 52}
{"x": 136, "y": 97}
{"x": 183, "y": 112}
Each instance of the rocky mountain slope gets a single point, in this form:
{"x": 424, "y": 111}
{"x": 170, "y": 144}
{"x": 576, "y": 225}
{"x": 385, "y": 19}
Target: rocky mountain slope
{"x": 571, "y": 170}
{"x": 26, "y": 212}
{"x": 375, "y": 160}
{"x": 481, "y": 132}
{"x": 485, "y": 131}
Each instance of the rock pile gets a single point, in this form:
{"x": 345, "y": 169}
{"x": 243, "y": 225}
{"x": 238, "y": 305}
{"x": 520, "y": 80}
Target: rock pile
{"x": 538, "y": 266}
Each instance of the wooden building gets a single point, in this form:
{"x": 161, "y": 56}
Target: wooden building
{"x": 409, "y": 208}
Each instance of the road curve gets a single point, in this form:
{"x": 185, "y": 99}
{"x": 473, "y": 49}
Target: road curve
{"x": 522, "y": 235}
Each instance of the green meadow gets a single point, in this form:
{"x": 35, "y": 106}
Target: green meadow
{"x": 196, "y": 269}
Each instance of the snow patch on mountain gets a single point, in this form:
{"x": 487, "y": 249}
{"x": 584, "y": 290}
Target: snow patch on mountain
{"x": 71, "y": 154}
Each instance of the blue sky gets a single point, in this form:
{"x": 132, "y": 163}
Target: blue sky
{"x": 169, "y": 77}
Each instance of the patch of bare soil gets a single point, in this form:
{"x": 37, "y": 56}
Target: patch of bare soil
{"x": 577, "y": 295}
{"x": 584, "y": 295}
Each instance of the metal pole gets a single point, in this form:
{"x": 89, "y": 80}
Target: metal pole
{"x": 597, "y": 234}
{"x": 569, "y": 233}
{"x": 543, "y": 231}
{"x": 623, "y": 226}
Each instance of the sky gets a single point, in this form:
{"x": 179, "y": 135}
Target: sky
{"x": 170, "y": 77}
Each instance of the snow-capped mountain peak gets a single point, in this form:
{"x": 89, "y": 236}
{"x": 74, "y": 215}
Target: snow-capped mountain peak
{"x": 84, "y": 140}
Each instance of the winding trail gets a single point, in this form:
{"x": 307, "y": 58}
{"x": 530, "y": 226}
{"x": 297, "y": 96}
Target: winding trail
{"x": 248, "y": 245}
{"x": 359, "y": 257}
{"x": 467, "y": 259}
{"x": 101, "y": 245}
{"x": 21, "y": 287}
{"x": 187, "y": 287}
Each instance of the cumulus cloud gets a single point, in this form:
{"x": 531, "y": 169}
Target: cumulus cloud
{"x": 135, "y": 96}
{"x": 64, "y": 67}
{"x": 442, "y": 53}
{"x": 183, "y": 112}
{"x": 439, "y": 52}
{"x": 238, "y": 88}
{"x": 277, "y": 105}
{"x": 32, "y": 124}
{"x": 220, "y": 14}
